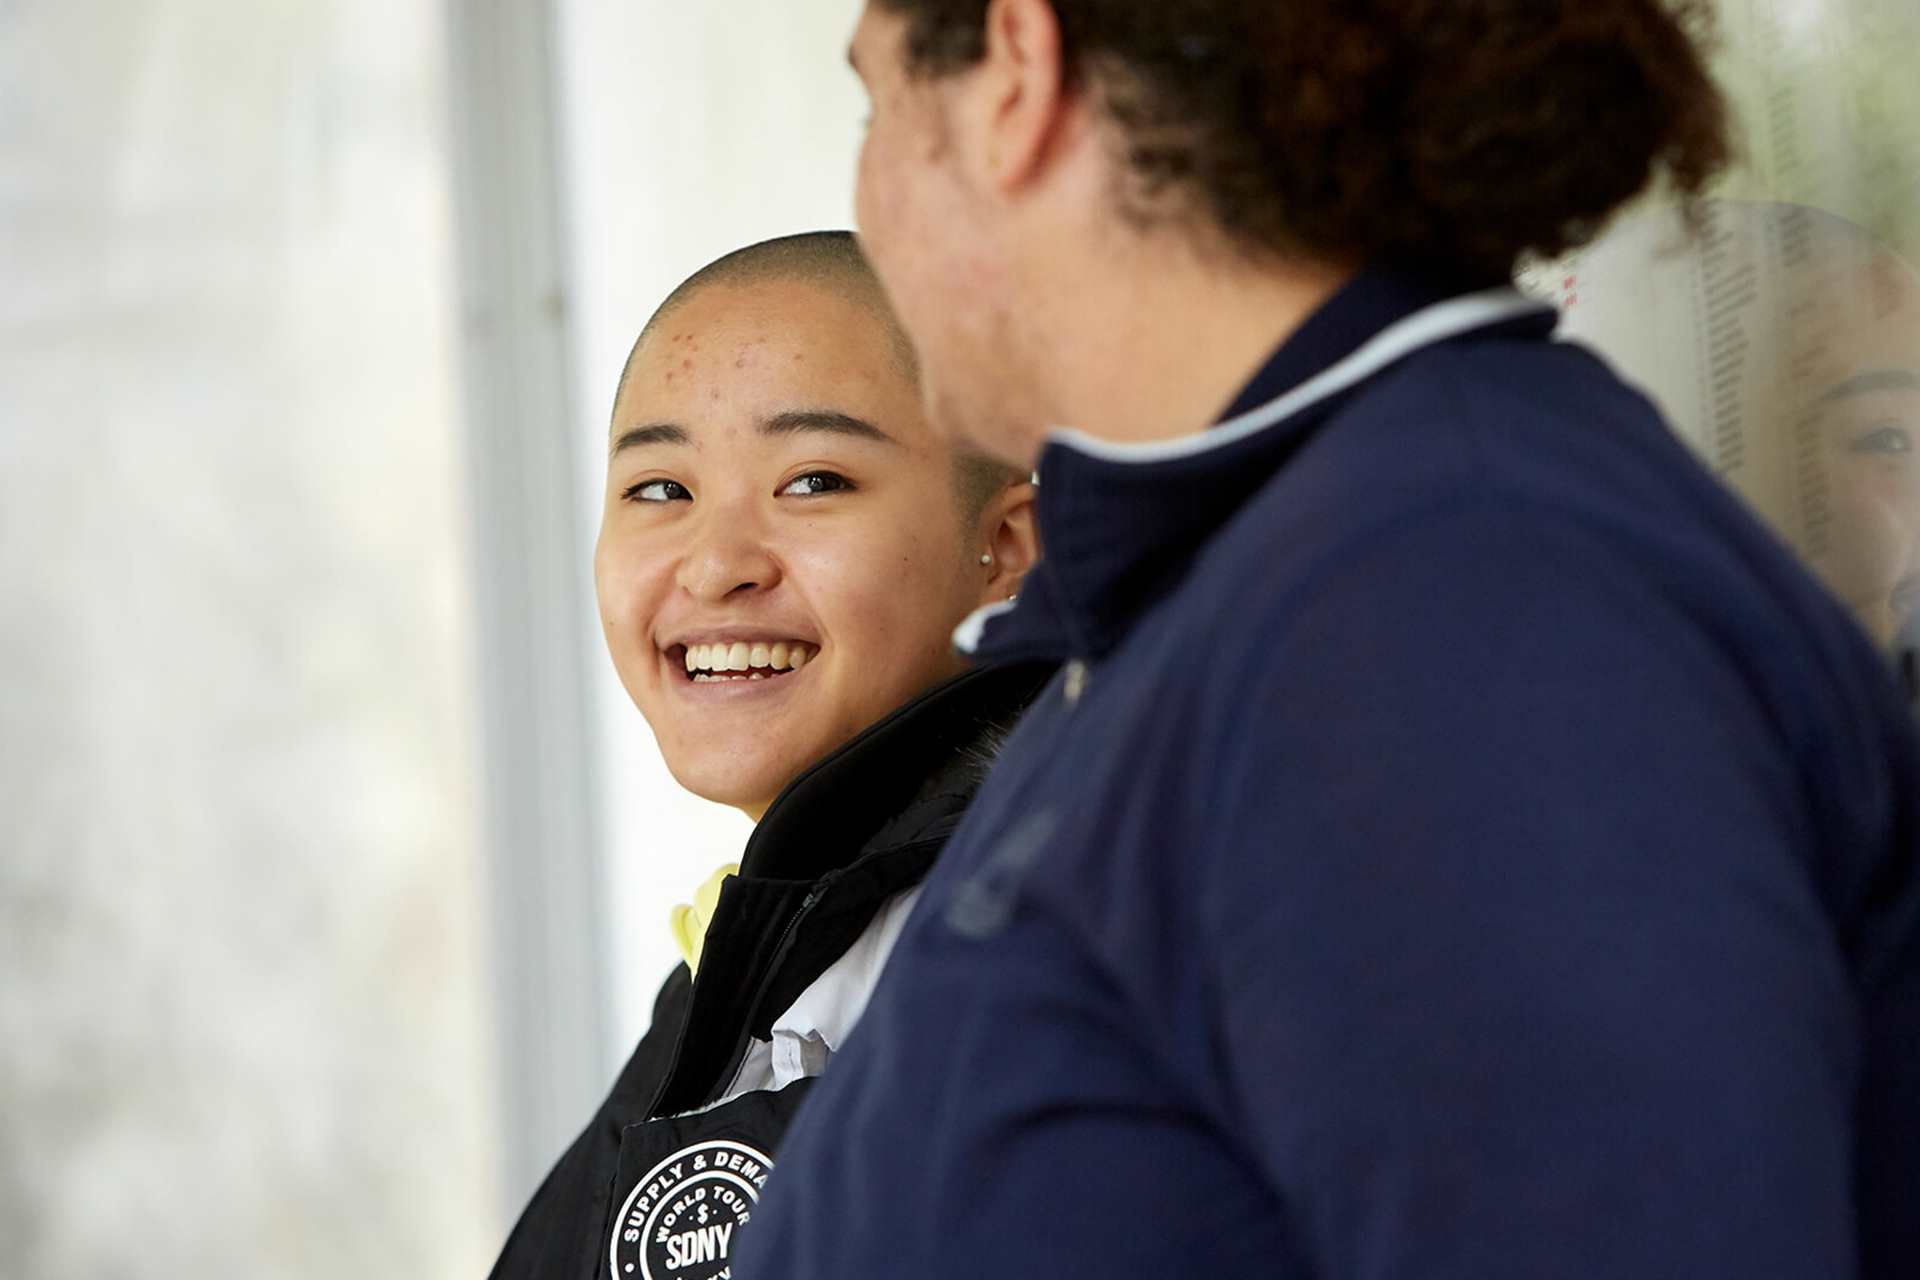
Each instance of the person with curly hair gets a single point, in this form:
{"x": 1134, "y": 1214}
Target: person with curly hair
{"x": 1462, "y": 842}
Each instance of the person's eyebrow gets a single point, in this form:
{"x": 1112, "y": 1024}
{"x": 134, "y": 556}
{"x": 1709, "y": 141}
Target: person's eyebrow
{"x": 1861, "y": 384}
{"x": 652, "y": 433}
{"x": 828, "y": 421}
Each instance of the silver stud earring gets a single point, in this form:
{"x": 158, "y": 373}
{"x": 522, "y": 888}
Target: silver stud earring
{"x": 986, "y": 557}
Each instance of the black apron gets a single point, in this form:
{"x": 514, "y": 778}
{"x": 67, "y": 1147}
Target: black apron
{"x": 687, "y": 1184}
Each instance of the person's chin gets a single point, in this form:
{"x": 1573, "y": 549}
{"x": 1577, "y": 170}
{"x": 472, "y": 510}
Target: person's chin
{"x": 745, "y": 783}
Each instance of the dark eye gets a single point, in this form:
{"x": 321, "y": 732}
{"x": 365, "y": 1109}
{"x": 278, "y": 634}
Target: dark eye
{"x": 656, "y": 491}
{"x": 1889, "y": 438}
{"x": 815, "y": 482}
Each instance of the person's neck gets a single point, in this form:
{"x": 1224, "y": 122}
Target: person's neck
{"x": 1149, "y": 339}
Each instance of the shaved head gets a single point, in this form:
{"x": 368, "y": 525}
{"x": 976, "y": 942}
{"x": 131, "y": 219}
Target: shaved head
{"x": 831, "y": 261}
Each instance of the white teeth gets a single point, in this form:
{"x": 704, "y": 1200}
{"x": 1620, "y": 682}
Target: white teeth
{"x": 707, "y": 663}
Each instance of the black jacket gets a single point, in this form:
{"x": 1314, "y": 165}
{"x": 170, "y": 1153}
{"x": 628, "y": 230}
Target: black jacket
{"x": 657, "y": 1182}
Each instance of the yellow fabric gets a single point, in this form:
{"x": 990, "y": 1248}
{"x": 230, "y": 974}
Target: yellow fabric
{"x": 689, "y": 922}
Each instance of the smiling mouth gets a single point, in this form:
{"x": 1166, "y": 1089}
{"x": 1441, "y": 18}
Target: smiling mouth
{"x": 742, "y": 660}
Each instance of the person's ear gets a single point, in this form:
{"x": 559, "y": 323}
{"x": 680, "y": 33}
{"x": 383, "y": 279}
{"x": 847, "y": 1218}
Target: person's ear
{"x": 1010, "y": 531}
{"x": 1017, "y": 97}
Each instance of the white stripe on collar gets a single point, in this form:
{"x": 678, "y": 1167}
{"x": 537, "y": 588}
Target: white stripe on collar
{"x": 1424, "y": 328}
{"x": 1394, "y": 343}
{"x": 966, "y": 636}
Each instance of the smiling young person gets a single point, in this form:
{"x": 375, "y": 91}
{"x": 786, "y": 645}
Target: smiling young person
{"x": 784, "y": 553}
{"x": 1462, "y": 843}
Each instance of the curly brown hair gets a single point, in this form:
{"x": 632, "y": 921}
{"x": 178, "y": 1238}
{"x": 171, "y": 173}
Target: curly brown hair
{"x": 1454, "y": 135}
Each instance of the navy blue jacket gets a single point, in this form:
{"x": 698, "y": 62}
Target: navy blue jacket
{"x": 1464, "y": 844}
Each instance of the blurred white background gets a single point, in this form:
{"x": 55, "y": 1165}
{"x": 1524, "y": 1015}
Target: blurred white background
{"x": 295, "y": 912}
{"x": 244, "y": 1019}
{"x": 334, "y": 863}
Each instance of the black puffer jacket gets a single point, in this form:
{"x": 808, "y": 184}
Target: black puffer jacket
{"x": 656, "y": 1184}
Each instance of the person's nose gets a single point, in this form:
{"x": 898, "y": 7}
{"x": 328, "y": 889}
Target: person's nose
{"x": 728, "y": 556}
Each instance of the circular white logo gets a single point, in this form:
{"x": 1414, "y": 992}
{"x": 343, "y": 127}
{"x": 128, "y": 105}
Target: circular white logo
{"x": 680, "y": 1219}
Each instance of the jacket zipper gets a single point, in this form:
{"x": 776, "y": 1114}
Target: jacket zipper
{"x": 807, "y": 904}
{"x": 780, "y": 949}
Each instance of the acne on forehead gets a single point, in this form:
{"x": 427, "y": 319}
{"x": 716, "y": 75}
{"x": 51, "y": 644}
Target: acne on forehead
{"x": 683, "y": 352}
{"x": 681, "y": 348}
{"x": 748, "y": 350}
{"x": 804, "y": 343}
{"x": 766, "y": 352}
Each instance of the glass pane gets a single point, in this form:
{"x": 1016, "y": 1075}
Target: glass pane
{"x": 1784, "y": 341}
{"x": 245, "y": 1012}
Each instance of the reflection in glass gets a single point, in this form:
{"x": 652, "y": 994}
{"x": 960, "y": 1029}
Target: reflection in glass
{"x": 1784, "y": 343}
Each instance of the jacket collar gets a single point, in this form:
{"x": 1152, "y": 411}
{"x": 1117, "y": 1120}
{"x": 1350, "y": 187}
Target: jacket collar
{"x": 905, "y": 778}
{"x": 1122, "y": 522}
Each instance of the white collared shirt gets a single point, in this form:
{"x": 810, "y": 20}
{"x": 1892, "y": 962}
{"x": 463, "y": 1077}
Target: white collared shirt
{"x": 814, "y": 1027}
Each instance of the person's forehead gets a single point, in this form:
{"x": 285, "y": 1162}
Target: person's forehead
{"x": 752, "y": 351}
{"x": 792, "y": 302}
{"x": 1846, "y": 272}
{"x": 1856, "y": 315}
{"x": 727, "y": 328}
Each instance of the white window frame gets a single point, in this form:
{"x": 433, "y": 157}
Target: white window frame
{"x": 533, "y": 595}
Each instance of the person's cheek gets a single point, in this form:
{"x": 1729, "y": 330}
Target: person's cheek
{"x": 1905, "y": 509}
{"x": 613, "y": 600}
{"x": 626, "y": 580}
{"x": 618, "y": 582}
{"x": 1867, "y": 537}
{"x": 1905, "y": 482}
{"x": 895, "y": 605}
{"x": 826, "y": 566}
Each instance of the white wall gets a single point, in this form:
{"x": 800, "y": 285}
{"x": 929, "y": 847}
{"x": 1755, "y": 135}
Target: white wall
{"x": 690, "y": 130}
{"x": 243, "y": 1012}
